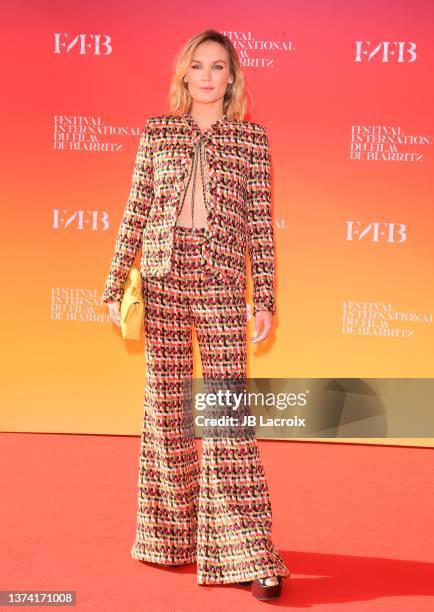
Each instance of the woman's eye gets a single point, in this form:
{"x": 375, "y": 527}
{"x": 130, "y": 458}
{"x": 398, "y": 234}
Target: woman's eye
{"x": 218, "y": 67}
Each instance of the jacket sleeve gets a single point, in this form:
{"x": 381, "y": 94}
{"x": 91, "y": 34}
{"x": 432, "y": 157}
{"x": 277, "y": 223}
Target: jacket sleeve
{"x": 134, "y": 218}
{"x": 260, "y": 233}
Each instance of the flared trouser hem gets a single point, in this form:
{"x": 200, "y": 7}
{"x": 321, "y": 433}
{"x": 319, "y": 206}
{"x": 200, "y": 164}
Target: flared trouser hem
{"x": 234, "y": 576}
{"x": 161, "y": 559}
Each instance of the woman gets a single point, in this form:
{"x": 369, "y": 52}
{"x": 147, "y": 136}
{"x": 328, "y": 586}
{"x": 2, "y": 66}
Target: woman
{"x": 200, "y": 192}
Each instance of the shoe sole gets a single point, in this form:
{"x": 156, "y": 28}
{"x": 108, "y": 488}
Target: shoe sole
{"x": 264, "y": 592}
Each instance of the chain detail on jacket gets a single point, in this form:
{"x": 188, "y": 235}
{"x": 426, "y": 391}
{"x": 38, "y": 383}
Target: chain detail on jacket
{"x": 198, "y": 160}
{"x": 238, "y": 196}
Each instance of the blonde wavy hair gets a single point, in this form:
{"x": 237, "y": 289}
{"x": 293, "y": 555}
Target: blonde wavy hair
{"x": 235, "y": 99}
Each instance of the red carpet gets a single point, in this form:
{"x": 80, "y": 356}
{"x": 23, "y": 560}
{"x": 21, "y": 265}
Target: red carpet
{"x": 354, "y": 524}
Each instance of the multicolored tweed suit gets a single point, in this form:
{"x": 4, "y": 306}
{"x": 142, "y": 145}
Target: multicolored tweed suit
{"x": 239, "y": 194}
{"x": 216, "y": 511}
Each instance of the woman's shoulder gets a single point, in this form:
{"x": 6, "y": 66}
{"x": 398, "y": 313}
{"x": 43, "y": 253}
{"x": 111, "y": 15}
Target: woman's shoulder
{"x": 156, "y": 125}
{"x": 156, "y": 120}
{"x": 253, "y": 124}
{"x": 257, "y": 128}
{"x": 255, "y": 133}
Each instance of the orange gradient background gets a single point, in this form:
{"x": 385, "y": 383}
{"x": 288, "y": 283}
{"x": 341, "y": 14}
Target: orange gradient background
{"x": 79, "y": 375}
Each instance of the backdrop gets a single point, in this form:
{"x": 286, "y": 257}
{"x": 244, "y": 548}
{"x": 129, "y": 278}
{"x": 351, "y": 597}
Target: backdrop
{"x": 345, "y": 91}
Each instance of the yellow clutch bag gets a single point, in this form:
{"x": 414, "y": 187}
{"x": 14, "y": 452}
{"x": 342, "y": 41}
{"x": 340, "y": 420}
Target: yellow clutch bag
{"x": 132, "y": 306}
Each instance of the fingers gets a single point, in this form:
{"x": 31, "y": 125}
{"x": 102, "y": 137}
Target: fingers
{"x": 116, "y": 318}
{"x": 263, "y": 322}
{"x": 259, "y": 336}
{"x": 115, "y": 313}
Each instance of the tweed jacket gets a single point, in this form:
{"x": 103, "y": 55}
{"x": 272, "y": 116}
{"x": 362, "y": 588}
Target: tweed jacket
{"x": 238, "y": 190}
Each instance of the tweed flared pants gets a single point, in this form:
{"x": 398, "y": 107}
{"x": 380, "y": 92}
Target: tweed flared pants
{"x": 216, "y": 511}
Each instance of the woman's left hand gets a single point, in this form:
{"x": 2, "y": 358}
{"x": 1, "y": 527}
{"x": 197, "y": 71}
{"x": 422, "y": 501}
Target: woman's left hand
{"x": 264, "y": 320}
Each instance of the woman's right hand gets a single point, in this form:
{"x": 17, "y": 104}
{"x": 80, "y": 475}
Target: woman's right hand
{"x": 115, "y": 312}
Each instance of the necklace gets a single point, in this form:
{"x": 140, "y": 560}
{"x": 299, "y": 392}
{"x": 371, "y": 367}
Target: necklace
{"x": 198, "y": 158}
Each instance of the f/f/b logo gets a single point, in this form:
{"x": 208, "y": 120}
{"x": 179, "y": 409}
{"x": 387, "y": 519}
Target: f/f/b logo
{"x": 83, "y": 44}
{"x": 386, "y": 51}
{"x": 376, "y": 232}
{"x": 80, "y": 219}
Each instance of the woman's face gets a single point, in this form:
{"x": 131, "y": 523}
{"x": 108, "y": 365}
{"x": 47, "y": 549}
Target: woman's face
{"x": 208, "y": 73}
